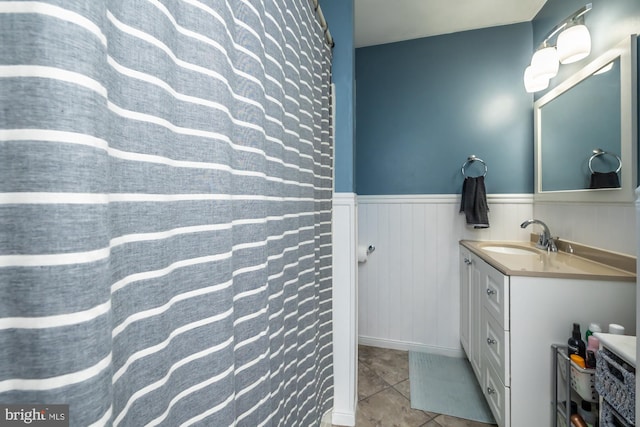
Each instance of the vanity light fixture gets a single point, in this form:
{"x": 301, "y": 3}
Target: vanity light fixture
{"x": 545, "y": 63}
{"x": 573, "y": 44}
{"x": 532, "y": 84}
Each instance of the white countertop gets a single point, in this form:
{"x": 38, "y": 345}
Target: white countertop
{"x": 622, "y": 345}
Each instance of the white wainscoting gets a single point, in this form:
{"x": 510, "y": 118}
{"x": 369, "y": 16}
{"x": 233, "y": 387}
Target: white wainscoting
{"x": 408, "y": 290}
{"x": 345, "y": 309}
{"x": 610, "y": 226}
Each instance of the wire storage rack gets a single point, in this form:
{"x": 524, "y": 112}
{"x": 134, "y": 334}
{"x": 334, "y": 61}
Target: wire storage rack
{"x": 569, "y": 382}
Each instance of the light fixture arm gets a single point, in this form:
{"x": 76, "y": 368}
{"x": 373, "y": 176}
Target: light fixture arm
{"x": 575, "y": 17}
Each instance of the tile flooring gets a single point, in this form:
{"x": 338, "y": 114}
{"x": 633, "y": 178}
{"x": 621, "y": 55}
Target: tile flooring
{"x": 383, "y": 393}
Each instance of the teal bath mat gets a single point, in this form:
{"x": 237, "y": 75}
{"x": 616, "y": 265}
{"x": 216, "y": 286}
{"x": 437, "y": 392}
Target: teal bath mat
{"x": 446, "y": 385}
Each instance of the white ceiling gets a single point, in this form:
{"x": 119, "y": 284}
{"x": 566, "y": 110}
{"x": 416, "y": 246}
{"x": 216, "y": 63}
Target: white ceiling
{"x": 386, "y": 21}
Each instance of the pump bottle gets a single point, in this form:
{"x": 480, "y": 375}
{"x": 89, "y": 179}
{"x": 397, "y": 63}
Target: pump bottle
{"x": 575, "y": 344}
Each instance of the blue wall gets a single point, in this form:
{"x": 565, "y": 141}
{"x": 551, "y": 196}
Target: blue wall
{"x": 422, "y": 109}
{"x": 425, "y": 105}
{"x": 339, "y": 14}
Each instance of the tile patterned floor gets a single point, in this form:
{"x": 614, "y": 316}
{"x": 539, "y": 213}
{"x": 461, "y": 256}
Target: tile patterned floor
{"x": 384, "y": 397}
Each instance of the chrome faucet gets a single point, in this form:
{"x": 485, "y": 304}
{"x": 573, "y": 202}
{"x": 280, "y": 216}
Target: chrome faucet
{"x": 545, "y": 241}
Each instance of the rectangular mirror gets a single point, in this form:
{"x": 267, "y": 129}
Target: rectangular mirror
{"x": 585, "y": 132}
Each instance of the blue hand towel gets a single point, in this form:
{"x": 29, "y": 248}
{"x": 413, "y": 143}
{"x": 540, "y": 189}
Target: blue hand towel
{"x": 474, "y": 202}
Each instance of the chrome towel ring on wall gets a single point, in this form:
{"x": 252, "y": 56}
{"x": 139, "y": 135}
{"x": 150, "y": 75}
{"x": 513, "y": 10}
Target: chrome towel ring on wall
{"x": 599, "y": 152}
{"x": 472, "y": 158}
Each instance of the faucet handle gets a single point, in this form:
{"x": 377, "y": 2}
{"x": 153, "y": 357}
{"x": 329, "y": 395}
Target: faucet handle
{"x": 547, "y": 243}
{"x": 542, "y": 240}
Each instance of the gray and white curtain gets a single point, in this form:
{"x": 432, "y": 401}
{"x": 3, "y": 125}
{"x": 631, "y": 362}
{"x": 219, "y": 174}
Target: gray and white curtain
{"x": 165, "y": 211}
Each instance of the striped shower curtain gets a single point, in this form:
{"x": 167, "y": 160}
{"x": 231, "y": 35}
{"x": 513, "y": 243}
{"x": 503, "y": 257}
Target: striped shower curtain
{"x": 165, "y": 211}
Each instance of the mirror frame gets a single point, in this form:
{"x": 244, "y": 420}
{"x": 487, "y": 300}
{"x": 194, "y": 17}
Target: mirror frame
{"x": 626, "y": 51}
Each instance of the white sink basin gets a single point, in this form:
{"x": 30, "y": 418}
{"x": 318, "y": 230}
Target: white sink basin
{"x": 510, "y": 250}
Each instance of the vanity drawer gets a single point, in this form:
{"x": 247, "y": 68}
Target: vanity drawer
{"x": 497, "y": 396}
{"x": 495, "y": 294}
{"x": 495, "y": 343}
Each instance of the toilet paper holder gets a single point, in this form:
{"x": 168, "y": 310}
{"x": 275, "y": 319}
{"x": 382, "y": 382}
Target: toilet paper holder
{"x": 364, "y": 252}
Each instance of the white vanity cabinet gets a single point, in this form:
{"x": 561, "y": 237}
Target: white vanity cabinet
{"x": 484, "y": 329}
{"x": 508, "y": 323}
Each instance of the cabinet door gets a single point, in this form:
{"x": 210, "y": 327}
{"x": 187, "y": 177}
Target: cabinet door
{"x": 497, "y": 396}
{"x": 496, "y": 346}
{"x": 465, "y": 289}
{"x": 475, "y": 310}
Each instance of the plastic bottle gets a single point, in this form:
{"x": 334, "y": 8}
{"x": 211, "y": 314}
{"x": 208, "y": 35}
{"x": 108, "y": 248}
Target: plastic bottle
{"x": 578, "y": 361}
{"x": 616, "y": 329}
{"x": 593, "y": 344}
{"x": 593, "y": 327}
{"x": 577, "y": 421}
{"x": 587, "y": 413}
{"x": 590, "y": 362}
{"x": 575, "y": 343}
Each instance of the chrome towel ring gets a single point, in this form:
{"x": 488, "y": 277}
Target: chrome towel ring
{"x": 599, "y": 152}
{"x": 472, "y": 158}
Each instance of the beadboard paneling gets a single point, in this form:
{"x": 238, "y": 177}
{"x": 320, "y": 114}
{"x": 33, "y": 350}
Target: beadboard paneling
{"x": 408, "y": 290}
{"x": 610, "y": 226}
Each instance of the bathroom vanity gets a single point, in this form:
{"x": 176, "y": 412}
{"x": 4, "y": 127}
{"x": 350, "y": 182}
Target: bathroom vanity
{"x": 517, "y": 300}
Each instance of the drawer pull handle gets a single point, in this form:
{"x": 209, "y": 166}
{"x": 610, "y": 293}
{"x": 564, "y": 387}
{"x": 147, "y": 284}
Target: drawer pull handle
{"x": 467, "y": 261}
{"x": 490, "y": 292}
{"x": 491, "y": 341}
{"x": 490, "y": 390}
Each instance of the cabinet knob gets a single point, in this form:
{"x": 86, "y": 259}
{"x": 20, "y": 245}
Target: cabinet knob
{"x": 490, "y": 292}
{"x": 467, "y": 261}
{"x": 490, "y": 390}
{"x": 491, "y": 341}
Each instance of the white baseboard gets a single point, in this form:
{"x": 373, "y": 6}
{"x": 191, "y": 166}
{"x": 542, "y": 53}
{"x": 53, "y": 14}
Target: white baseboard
{"x": 409, "y": 346}
{"x": 343, "y": 419}
{"x": 326, "y": 419}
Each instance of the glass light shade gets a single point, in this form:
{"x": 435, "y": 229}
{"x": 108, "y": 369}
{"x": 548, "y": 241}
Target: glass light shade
{"x": 574, "y": 43}
{"x": 532, "y": 84}
{"x": 544, "y": 63}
